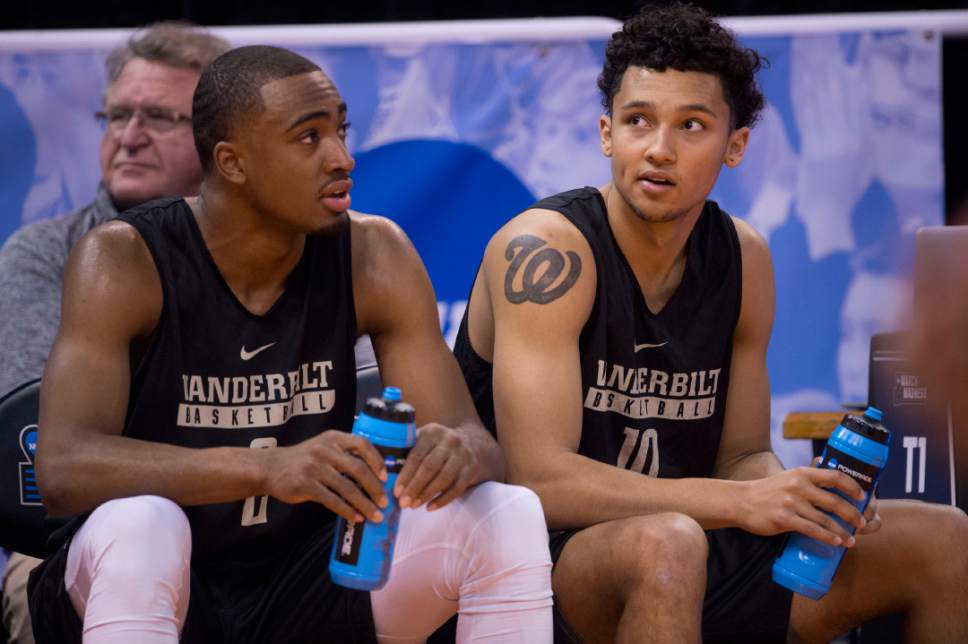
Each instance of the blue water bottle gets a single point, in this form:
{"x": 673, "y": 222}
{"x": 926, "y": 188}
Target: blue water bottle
{"x": 362, "y": 552}
{"x": 858, "y": 448}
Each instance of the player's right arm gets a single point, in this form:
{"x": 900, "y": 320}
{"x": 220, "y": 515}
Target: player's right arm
{"x": 538, "y": 390}
{"x": 538, "y": 393}
{"x": 112, "y": 301}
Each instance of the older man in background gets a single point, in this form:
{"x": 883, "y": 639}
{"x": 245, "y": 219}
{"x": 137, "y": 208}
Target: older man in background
{"x": 147, "y": 151}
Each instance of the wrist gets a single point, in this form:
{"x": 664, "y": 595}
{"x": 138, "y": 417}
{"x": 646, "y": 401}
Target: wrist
{"x": 262, "y": 466}
{"x": 493, "y": 465}
{"x": 737, "y": 504}
{"x": 487, "y": 455}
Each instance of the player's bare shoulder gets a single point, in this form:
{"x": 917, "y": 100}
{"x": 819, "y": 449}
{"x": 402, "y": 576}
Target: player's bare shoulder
{"x": 756, "y": 259}
{"x": 365, "y": 224}
{"x": 758, "y": 291}
{"x": 111, "y": 268}
{"x": 390, "y": 283}
{"x": 379, "y": 246}
{"x": 539, "y": 257}
{"x": 114, "y": 242}
{"x": 756, "y": 252}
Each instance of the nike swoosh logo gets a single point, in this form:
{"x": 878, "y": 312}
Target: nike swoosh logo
{"x": 248, "y": 355}
{"x": 639, "y": 347}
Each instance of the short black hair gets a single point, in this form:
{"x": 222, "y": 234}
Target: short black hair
{"x": 685, "y": 38}
{"x": 229, "y": 88}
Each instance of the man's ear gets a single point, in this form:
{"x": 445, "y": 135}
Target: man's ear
{"x": 736, "y": 146}
{"x": 228, "y": 162}
{"x": 605, "y": 134}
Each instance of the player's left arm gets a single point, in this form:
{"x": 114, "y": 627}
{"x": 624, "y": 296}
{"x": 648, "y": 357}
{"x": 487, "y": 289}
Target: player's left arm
{"x": 395, "y": 304}
{"x": 745, "y": 452}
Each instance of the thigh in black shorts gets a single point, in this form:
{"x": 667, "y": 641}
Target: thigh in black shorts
{"x": 286, "y": 599}
{"x": 742, "y": 602}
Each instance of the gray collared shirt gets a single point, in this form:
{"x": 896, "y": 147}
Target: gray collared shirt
{"x": 31, "y": 277}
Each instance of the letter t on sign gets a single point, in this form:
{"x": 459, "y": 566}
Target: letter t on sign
{"x": 912, "y": 443}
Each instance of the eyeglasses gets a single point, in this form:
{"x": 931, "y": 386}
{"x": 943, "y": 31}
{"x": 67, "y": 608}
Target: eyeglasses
{"x": 155, "y": 119}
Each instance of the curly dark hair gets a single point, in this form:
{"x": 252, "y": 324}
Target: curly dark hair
{"x": 685, "y": 38}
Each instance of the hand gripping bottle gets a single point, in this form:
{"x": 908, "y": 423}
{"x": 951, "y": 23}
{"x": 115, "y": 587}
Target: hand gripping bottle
{"x": 362, "y": 552}
{"x": 858, "y": 448}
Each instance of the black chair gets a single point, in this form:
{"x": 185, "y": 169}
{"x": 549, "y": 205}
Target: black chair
{"x": 368, "y": 384}
{"x": 23, "y": 524}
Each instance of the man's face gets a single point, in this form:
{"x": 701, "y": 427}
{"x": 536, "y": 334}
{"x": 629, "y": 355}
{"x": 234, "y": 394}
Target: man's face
{"x": 139, "y": 163}
{"x": 668, "y": 135}
{"x": 294, "y": 153}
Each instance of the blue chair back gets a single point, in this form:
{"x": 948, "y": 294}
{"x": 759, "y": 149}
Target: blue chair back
{"x": 23, "y": 524}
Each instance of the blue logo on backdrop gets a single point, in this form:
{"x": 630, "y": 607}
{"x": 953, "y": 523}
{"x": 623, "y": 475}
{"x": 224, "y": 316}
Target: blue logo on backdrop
{"x": 449, "y": 198}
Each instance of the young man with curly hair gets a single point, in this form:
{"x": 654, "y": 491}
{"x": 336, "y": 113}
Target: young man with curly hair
{"x": 616, "y": 341}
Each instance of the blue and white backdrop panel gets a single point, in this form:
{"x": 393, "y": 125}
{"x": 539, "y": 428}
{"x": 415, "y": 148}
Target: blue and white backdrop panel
{"x": 457, "y": 127}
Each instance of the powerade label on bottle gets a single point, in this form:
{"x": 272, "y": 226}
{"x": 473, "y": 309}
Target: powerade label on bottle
{"x": 350, "y": 535}
{"x": 864, "y": 473}
{"x": 394, "y": 458}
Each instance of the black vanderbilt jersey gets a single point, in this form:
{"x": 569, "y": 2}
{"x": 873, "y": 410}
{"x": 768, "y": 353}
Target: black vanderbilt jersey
{"x": 654, "y": 385}
{"x": 217, "y": 375}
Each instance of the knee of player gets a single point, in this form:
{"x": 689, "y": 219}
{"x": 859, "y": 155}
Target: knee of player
{"x": 663, "y": 549}
{"x": 149, "y": 527}
{"x": 523, "y": 503}
{"x": 931, "y": 540}
{"x": 502, "y": 500}
{"x": 957, "y": 521}
{"x": 946, "y": 546}
{"x": 509, "y": 513}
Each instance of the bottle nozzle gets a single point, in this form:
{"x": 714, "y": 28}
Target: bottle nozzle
{"x": 392, "y": 394}
{"x": 874, "y": 414}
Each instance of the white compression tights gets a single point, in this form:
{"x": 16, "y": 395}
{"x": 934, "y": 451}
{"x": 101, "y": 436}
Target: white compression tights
{"x": 484, "y": 555}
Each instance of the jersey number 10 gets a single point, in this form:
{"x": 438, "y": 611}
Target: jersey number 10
{"x": 648, "y": 445}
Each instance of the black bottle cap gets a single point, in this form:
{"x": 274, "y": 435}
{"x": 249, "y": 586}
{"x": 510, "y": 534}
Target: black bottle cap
{"x": 390, "y": 408}
{"x": 867, "y": 427}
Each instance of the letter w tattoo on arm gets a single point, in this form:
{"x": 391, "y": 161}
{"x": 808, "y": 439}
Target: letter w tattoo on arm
{"x": 521, "y": 252}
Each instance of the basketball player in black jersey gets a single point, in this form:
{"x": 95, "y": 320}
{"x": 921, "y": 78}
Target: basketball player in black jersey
{"x": 617, "y": 339}
{"x": 197, "y": 404}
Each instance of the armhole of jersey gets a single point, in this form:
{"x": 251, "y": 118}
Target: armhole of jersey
{"x": 150, "y": 347}
{"x": 465, "y": 322}
{"x": 592, "y": 240}
{"x": 738, "y": 251}
{"x": 346, "y": 241}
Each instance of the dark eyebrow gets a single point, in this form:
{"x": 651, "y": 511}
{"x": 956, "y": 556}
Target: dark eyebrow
{"x": 637, "y": 104}
{"x": 692, "y": 107}
{"x": 318, "y": 114}
{"x": 698, "y": 107}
